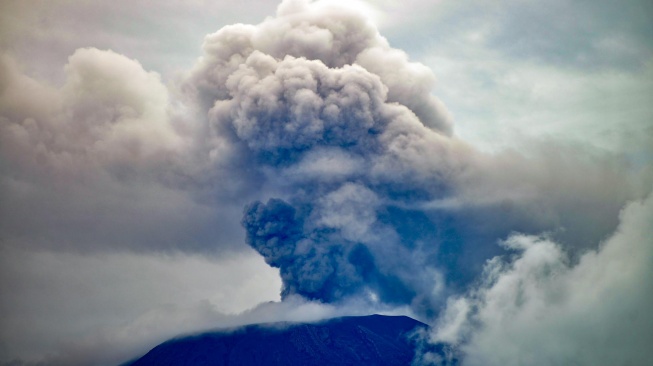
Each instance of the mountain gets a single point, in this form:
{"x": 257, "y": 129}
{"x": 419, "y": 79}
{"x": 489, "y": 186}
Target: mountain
{"x": 373, "y": 340}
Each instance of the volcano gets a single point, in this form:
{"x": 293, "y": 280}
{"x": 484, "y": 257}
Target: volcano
{"x": 359, "y": 340}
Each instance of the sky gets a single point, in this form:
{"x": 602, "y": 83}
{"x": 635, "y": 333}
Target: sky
{"x": 171, "y": 167}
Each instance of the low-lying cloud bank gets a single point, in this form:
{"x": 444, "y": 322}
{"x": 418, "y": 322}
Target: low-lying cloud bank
{"x": 327, "y": 146}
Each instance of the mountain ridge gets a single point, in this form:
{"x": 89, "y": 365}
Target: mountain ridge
{"x": 352, "y": 340}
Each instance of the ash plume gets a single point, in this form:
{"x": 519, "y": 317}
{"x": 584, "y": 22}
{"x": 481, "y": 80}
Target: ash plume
{"x": 340, "y": 133}
{"x": 314, "y": 141}
{"x": 359, "y": 178}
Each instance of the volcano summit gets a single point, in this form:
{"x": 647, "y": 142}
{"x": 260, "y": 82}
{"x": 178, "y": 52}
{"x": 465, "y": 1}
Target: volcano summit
{"x": 362, "y": 340}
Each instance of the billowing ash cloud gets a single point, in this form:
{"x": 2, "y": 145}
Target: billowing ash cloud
{"x": 309, "y": 138}
{"x": 364, "y": 179}
{"x": 329, "y": 132}
{"x": 311, "y": 108}
{"x": 339, "y": 133}
{"x": 326, "y": 32}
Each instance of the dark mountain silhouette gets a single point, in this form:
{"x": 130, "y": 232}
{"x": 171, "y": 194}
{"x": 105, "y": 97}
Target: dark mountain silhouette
{"x": 363, "y": 340}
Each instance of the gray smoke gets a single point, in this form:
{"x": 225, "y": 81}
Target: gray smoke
{"x": 330, "y": 149}
{"x": 352, "y": 180}
{"x": 366, "y": 180}
{"x": 339, "y": 134}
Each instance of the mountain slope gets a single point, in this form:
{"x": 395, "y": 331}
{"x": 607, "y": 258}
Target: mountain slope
{"x": 366, "y": 340}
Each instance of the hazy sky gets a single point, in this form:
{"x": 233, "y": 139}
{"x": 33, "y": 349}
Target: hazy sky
{"x": 174, "y": 166}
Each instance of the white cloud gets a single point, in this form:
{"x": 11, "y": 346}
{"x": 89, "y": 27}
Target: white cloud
{"x": 540, "y": 309}
{"x": 81, "y": 309}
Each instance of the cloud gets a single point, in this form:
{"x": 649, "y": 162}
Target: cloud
{"x": 125, "y": 304}
{"x": 77, "y": 309}
{"x": 326, "y": 31}
{"x": 312, "y": 81}
{"x": 281, "y": 111}
{"x": 109, "y": 108}
{"x": 538, "y": 307}
{"x": 269, "y": 111}
{"x": 95, "y": 164}
{"x": 309, "y": 129}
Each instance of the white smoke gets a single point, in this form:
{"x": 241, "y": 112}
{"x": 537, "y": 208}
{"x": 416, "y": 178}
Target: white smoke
{"x": 538, "y": 308}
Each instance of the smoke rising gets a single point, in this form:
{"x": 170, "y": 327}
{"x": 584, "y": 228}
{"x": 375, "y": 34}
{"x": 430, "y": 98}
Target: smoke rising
{"x": 341, "y": 131}
{"x": 309, "y": 138}
{"x": 339, "y": 134}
